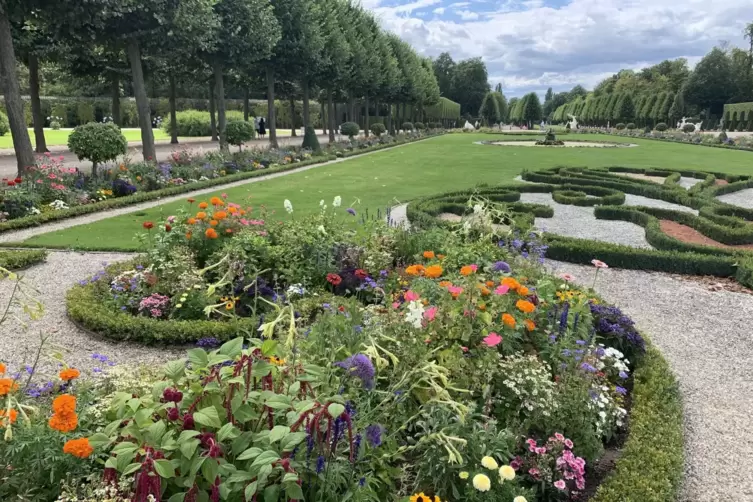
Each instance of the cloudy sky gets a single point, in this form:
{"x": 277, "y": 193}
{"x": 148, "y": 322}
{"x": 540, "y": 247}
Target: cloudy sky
{"x": 529, "y": 45}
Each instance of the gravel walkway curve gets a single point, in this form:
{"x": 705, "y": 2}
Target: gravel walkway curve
{"x": 742, "y": 198}
{"x": 52, "y": 279}
{"x": 705, "y": 336}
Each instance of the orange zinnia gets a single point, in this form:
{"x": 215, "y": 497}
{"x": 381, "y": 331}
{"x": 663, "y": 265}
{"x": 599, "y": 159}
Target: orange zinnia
{"x": 523, "y": 291}
{"x": 414, "y": 270}
{"x": 530, "y": 325}
{"x": 525, "y": 306}
{"x": 201, "y": 215}
{"x": 489, "y": 284}
{"x": 211, "y": 233}
{"x": 13, "y": 416}
{"x": 232, "y": 209}
{"x": 2, "y": 369}
{"x": 508, "y": 320}
{"x": 216, "y": 201}
{"x": 484, "y": 290}
{"x": 7, "y": 385}
{"x": 192, "y": 221}
{"x": 64, "y": 404}
{"x": 203, "y": 205}
{"x": 444, "y": 284}
{"x": 510, "y": 283}
{"x": 69, "y": 374}
{"x": 466, "y": 270}
{"x": 80, "y": 448}
{"x": 188, "y": 235}
{"x": 219, "y": 215}
{"x": 63, "y": 423}
{"x": 214, "y": 223}
{"x": 433, "y": 271}
{"x": 429, "y": 255}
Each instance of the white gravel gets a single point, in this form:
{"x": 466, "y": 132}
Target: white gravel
{"x": 742, "y": 198}
{"x": 705, "y": 336}
{"x": 52, "y": 280}
{"x": 639, "y": 200}
{"x": 688, "y": 183}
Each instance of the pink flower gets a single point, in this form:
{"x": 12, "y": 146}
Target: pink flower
{"x": 411, "y": 296}
{"x": 244, "y": 221}
{"x": 46, "y": 154}
{"x": 533, "y": 472}
{"x": 171, "y": 219}
{"x": 52, "y": 176}
{"x": 541, "y": 450}
{"x": 39, "y": 181}
{"x": 430, "y": 313}
{"x": 502, "y": 290}
{"x": 599, "y": 264}
{"x": 531, "y": 442}
{"x": 568, "y": 277}
{"x": 263, "y": 233}
{"x": 61, "y": 158}
{"x": 455, "y": 290}
{"x": 224, "y": 195}
{"x": 492, "y": 339}
{"x": 560, "y": 485}
{"x": 428, "y": 340}
{"x": 256, "y": 222}
{"x": 568, "y": 444}
{"x": 464, "y": 349}
{"x": 559, "y": 437}
{"x": 396, "y": 305}
{"x": 474, "y": 267}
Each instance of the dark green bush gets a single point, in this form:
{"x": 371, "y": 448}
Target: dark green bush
{"x": 18, "y": 259}
{"x": 4, "y": 126}
{"x": 97, "y": 142}
{"x": 310, "y": 140}
{"x": 350, "y": 129}
{"x": 620, "y": 126}
{"x": 630, "y": 126}
{"x": 420, "y": 126}
{"x": 238, "y": 132}
{"x": 661, "y": 127}
{"x": 196, "y": 123}
{"x": 578, "y": 196}
{"x": 378, "y": 129}
{"x": 407, "y": 126}
{"x": 688, "y": 128}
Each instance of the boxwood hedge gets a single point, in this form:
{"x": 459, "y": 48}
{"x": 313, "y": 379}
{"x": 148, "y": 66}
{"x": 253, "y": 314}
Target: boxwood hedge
{"x": 19, "y": 259}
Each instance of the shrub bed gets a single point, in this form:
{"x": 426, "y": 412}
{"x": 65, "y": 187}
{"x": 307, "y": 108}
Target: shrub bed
{"x": 19, "y": 259}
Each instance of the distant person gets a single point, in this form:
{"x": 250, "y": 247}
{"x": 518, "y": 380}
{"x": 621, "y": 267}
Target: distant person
{"x": 262, "y": 130}
{"x": 256, "y": 125}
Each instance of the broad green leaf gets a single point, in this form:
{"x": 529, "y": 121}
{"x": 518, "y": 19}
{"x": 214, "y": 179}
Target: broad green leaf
{"x": 290, "y": 477}
{"x": 268, "y": 347}
{"x": 228, "y": 431}
{"x": 111, "y": 463}
{"x": 240, "y": 477}
{"x": 232, "y": 348}
{"x": 164, "y": 468}
{"x": 293, "y": 491}
{"x": 272, "y": 493}
{"x": 175, "y": 369}
{"x": 99, "y": 439}
{"x": 261, "y": 369}
{"x": 208, "y": 417}
{"x": 209, "y": 469}
{"x": 188, "y": 447}
{"x": 294, "y": 388}
{"x": 198, "y": 358}
{"x": 277, "y": 433}
{"x": 336, "y": 409}
{"x": 132, "y": 468}
{"x": 124, "y": 460}
{"x": 143, "y": 417}
{"x": 178, "y": 497}
{"x": 157, "y": 430}
{"x": 252, "y": 452}
{"x": 250, "y": 490}
{"x": 186, "y": 435}
{"x": 215, "y": 359}
{"x": 266, "y": 458}
{"x": 134, "y": 403}
{"x": 293, "y": 439}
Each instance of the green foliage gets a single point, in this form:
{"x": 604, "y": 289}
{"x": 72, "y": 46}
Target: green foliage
{"x": 19, "y": 259}
{"x": 378, "y": 129}
{"x": 192, "y": 123}
{"x": 619, "y": 126}
{"x": 239, "y": 132}
{"x": 85, "y": 112}
{"x": 711, "y": 83}
{"x": 489, "y": 111}
{"x": 97, "y": 142}
{"x": 420, "y": 126}
{"x": 661, "y": 127}
{"x": 532, "y": 111}
{"x": 310, "y": 140}
{"x": 630, "y": 126}
{"x": 688, "y": 128}
{"x": 407, "y": 126}
{"x": 350, "y": 129}
{"x": 4, "y": 125}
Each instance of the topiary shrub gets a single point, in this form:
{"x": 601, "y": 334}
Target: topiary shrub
{"x": 196, "y": 123}
{"x": 4, "y": 126}
{"x": 630, "y": 126}
{"x": 420, "y": 126}
{"x": 97, "y": 142}
{"x": 407, "y": 126}
{"x": 722, "y": 137}
{"x": 688, "y": 128}
{"x": 238, "y": 132}
{"x": 350, "y": 129}
{"x": 661, "y": 127}
{"x": 619, "y": 126}
{"x": 378, "y": 129}
{"x": 310, "y": 140}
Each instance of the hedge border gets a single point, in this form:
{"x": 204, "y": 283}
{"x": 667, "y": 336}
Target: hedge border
{"x": 670, "y": 140}
{"x": 41, "y": 219}
{"x": 21, "y": 259}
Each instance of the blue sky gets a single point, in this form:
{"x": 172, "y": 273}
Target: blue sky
{"x": 529, "y": 45}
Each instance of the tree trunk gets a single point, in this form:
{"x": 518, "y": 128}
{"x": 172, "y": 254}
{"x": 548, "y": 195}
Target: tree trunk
{"x": 351, "y": 108}
{"x": 271, "y": 106}
{"x": 221, "y": 121}
{"x": 246, "y": 105}
{"x": 324, "y": 113}
{"x": 173, "y": 112}
{"x": 390, "y": 129}
{"x": 115, "y": 89}
{"x": 142, "y": 102}
{"x": 331, "y": 116}
{"x": 306, "y": 104}
{"x": 366, "y": 121}
{"x": 13, "y": 102}
{"x": 36, "y": 104}
{"x": 212, "y": 112}
{"x": 292, "y": 117}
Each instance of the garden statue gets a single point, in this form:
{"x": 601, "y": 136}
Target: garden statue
{"x": 574, "y": 122}
{"x": 681, "y": 125}
{"x": 468, "y": 126}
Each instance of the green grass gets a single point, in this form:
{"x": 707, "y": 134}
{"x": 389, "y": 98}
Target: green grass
{"x": 60, "y": 137}
{"x": 451, "y": 162}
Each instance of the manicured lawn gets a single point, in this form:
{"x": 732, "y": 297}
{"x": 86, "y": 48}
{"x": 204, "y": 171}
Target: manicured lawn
{"x": 60, "y": 137}
{"x": 381, "y": 180}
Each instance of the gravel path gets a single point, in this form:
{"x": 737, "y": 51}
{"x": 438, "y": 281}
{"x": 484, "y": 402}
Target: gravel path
{"x": 705, "y": 336}
{"x": 639, "y": 200}
{"x": 742, "y": 198}
{"x": 688, "y": 183}
{"x": 52, "y": 279}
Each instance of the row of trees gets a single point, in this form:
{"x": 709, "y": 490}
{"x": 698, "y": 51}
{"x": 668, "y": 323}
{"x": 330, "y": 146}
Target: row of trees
{"x": 330, "y": 49}
{"x": 495, "y": 109}
{"x": 465, "y": 82}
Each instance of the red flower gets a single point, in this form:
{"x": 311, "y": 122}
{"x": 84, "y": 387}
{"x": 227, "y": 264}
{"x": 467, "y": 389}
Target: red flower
{"x": 361, "y": 274}
{"x": 18, "y": 180}
{"x": 11, "y": 183}
{"x": 334, "y": 279}
{"x": 191, "y": 201}
{"x": 148, "y": 225}
{"x": 168, "y": 227}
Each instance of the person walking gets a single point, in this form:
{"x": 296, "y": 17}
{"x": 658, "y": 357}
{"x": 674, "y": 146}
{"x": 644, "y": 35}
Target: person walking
{"x": 262, "y": 130}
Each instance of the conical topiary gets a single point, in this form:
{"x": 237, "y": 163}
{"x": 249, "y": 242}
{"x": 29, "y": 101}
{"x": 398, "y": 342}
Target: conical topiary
{"x": 310, "y": 140}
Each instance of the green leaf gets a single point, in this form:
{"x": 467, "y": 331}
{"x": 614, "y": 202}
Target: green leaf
{"x": 294, "y": 388}
{"x": 290, "y": 441}
{"x": 178, "y": 497}
{"x": 208, "y": 417}
{"x": 277, "y": 433}
{"x": 250, "y": 491}
{"x": 228, "y": 431}
{"x": 175, "y": 369}
{"x": 252, "y": 452}
{"x": 279, "y": 402}
{"x": 124, "y": 459}
{"x": 198, "y": 358}
{"x": 132, "y": 468}
{"x": 157, "y": 430}
{"x": 99, "y": 439}
{"x": 266, "y": 458}
{"x": 293, "y": 491}
{"x": 232, "y": 348}
{"x": 215, "y": 359}
{"x": 240, "y": 477}
{"x": 272, "y": 493}
{"x": 268, "y": 347}
{"x": 186, "y": 435}
{"x": 111, "y": 463}
{"x": 209, "y": 469}
{"x": 290, "y": 477}
{"x": 188, "y": 447}
{"x": 336, "y": 409}
{"x": 164, "y": 468}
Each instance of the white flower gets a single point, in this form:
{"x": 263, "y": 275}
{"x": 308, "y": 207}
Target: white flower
{"x": 478, "y": 209}
{"x": 296, "y": 289}
{"x": 288, "y": 206}
{"x": 321, "y": 203}
{"x": 337, "y": 202}
{"x": 415, "y": 314}
{"x": 34, "y": 210}
{"x": 320, "y": 228}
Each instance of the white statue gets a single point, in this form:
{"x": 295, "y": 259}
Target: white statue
{"x": 574, "y": 122}
{"x": 468, "y": 126}
{"x": 684, "y": 122}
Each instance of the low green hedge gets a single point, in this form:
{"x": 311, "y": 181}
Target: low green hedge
{"x": 650, "y": 467}
{"x": 19, "y": 259}
{"x": 87, "y": 310}
{"x": 578, "y": 196}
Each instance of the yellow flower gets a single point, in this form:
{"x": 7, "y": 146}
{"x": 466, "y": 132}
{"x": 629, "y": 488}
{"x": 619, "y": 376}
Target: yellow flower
{"x": 520, "y": 498}
{"x": 276, "y": 361}
{"x": 481, "y": 482}
{"x": 506, "y": 473}
{"x": 489, "y": 463}
{"x": 420, "y": 497}
{"x": 464, "y": 475}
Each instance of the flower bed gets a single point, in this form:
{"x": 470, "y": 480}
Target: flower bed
{"x": 383, "y": 364}
{"x": 52, "y": 192}
{"x": 709, "y": 138}
{"x": 19, "y": 259}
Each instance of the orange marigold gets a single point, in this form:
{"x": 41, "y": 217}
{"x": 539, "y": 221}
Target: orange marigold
{"x": 7, "y": 385}
{"x": 203, "y": 205}
{"x": 489, "y": 284}
{"x": 214, "y": 223}
{"x": 64, "y": 404}
{"x": 466, "y": 270}
{"x": 2, "y": 369}
{"x": 219, "y": 215}
{"x": 525, "y": 306}
{"x": 13, "y": 416}
{"x": 433, "y": 271}
{"x": 530, "y": 325}
{"x": 429, "y": 255}
{"x": 201, "y": 215}
{"x": 510, "y": 283}
{"x": 192, "y": 221}
{"x": 211, "y": 233}
{"x": 440, "y": 256}
{"x": 69, "y": 374}
{"x": 414, "y": 269}
{"x": 508, "y": 320}
{"x": 63, "y": 423}
{"x": 523, "y": 291}
{"x": 482, "y": 307}
{"x": 188, "y": 235}
{"x": 484, "y": 290}
{"x": 216, "y": 201}
{"x": 80, "y": 448}
{"x": 232, "y": 209}
{"x": 444, "y": 284}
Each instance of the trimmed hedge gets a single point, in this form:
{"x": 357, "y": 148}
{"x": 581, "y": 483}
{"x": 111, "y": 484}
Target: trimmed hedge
{"x": 20, "y": 259}
{"x": 650, "y": 467}
{"x": 579, "y": 196}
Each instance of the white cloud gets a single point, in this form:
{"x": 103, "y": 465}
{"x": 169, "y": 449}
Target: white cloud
{"x": 439, "y": 11}
{"x": 528, "y": 46}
